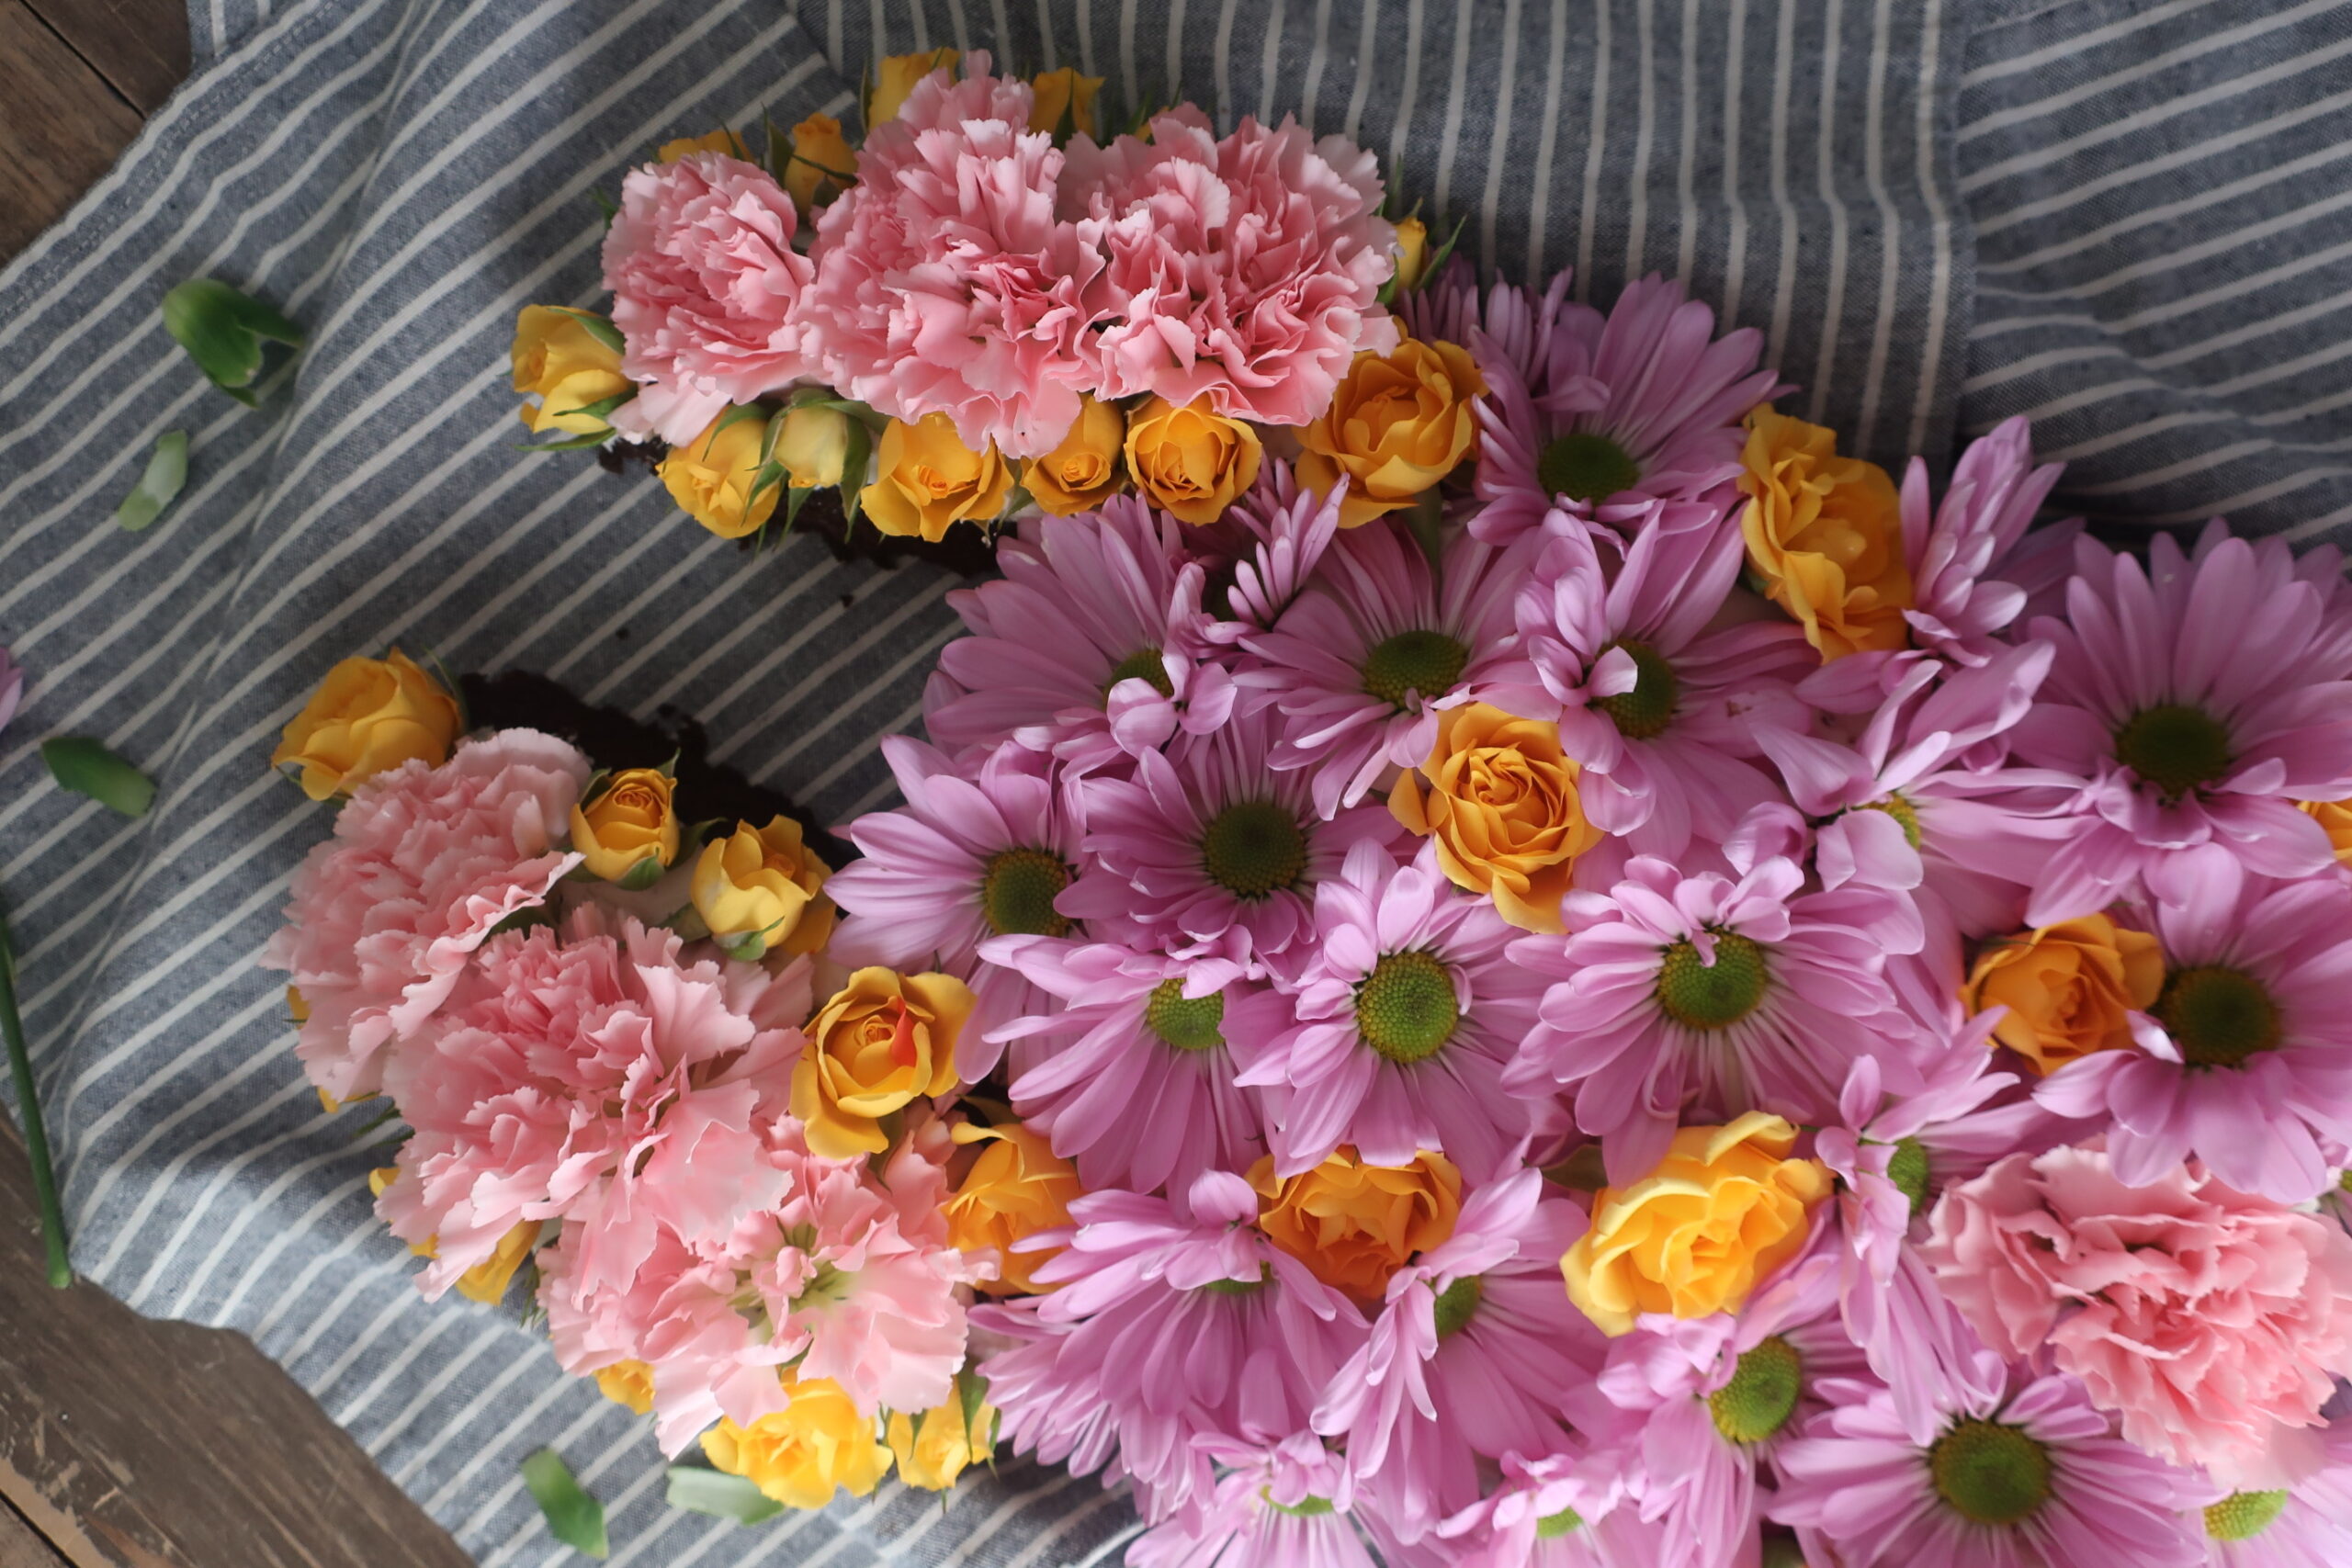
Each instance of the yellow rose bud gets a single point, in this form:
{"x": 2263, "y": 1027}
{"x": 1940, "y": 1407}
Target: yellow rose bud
{"x": 559, "y": 361}
{"x": 801, "y": 1455}
{"x": 1723, "y": 1210}
{"x": 1412, "y": 253}
{"x": 884, "y": 1042}
{"x": 1065, "y": 102}
{"x": 1083, "y": 472}
{"x": 813, "y": 446}
{"x": 1017, "y": 1186}
{"x": 897, "y": 77}
{"x": 1190, "y": 462}
{"x": 2069, "y": 989}
{"x": 763, "y": 883}
{"x": 487, "y": 1280}
{"x": 821, "y": 166}
{"x": 2335, "y": 817}
{"x": 720, "y": 141}
{"x": 1398, "y": 423}
{"x": 368, "y": 717}
{"x": 933, "y": 1452}
{"x": 628, "y": 823}
{"x": 1354, "y": 1224}
{"x": 1499, "y": 798}
{"x": 629, "y": 1384}
{"x": 710, "y": 478}
{"x": 927, "y": 479}
{"x": 1824, "y": 534}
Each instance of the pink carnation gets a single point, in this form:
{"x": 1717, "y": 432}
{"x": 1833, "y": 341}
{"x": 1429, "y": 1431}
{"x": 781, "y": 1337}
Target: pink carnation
{"x": 2209, "y": 1319}
{"x": 424, "y": 862}
{"x": 944, "y": 281}
{"x": 1246, "y": 270}
{"x": 703, "y": 280}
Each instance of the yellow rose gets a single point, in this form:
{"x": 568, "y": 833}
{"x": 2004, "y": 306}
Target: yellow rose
{"x": 1398, "y": 424}
{"x": 487, "y": 1280}
{"x": 629, "y": 1384}
{"x": 368, "y": 717}
{"x": 821, "y": 165}
{"x": 2069, "y": 988}
{"x": 1824, "y": 535}
{"x": 933, "y": 1452}
{"x": 711, "y": 476}
{"x": 1190, "y": 462}
{"x": 2336, "y": 816}
{"x": 1354, "y": 1224}
{"x": 762, "y": 885}
{"x": 927, "y": 479}
{"x": 813, "y": 445}
{"x": 897, "y": 77}
{"x": 1723, "y": 1210}
{"x": 559, "y": 361}
{"x": 1083, "y": 472}
{"x": 628, "y": 823}
{"x": 1412, "y": 253}
{"x": 1064, "y": 95}
{"x": 1502, "y": 806}
{"x": 720, "y": 141}
{"x": 884, "y": 1040}
{"x": 804, "y": 1453}
{"x": 1017, "y": 1186}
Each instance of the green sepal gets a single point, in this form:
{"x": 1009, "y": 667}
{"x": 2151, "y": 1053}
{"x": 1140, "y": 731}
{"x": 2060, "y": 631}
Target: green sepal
{"x": 574, "y": 1517}
{"x": 600, "y": 327}
{"x": 87, "y": 767}
{"x": 737, "y": 414}
{"x": 971, "y": 1394}
{"x": 223, "y": 331}
{"x": 606, "y": 205}
{"x": 641, "y": 875}
{"x": 1442, "y": 255}
{"x": 1426, "y": 520}
{"x": 856, "y": 453}
{"x": 1581, "y": 1171}
{"x": 603, "y": 407}
{"x": 746, "y": 947}
{"x": 572, "y": 444}
{"x": 699, "y": 1489}
{"x": 166, "y": 473}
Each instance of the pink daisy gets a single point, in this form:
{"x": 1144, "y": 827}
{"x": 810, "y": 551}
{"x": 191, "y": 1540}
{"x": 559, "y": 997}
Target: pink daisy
{"x": 1360, "y": 665}
{"x": 2245, "y": 1060}
{"x": 1973, "y": 567}
{"x": 2306, "y": 1525}
{"x": 1508, "y": 330}
{"x": 2191, "y": 702}
{"x": 2026, "y": 1476}
{"x": 1125, "y": 666}
{"x": 965, "y": 859}
{"x": 1265, "y": 549}
{"x": 1282, "y": 1506}
{"x": 1714, "y": 995}
{"x": 1552, "y": 1513}
{"x": 1407, "y": 1019}
{"x": 1134, "y": 1076}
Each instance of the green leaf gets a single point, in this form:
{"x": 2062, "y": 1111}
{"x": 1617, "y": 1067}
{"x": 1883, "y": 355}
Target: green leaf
{"x": 87, "y": 767}
{"x": 641, "y": 875}
{"x": 166, "y": 473}
{"x": 971, "y": 1392}
{"x": 745, "y": 947}
{"x": 737, "y": 414}
{"x": 1443, "y": 253}
{"x": 595, "y": 438}
{"x": 223, "y": 330}
{"x": 574, "y": 1517}
{"x": 600, "y": 327}
{"x": 701, "y": 1490}
{"x": 20, "y": 1068}
{"x": 603, "y": 407}
{"x": 855, "y": 454}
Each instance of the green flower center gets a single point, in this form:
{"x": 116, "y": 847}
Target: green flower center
{"x": 2243, "y": 1515}
{"x": 1253, "y": 849}
{"x": 2217, "y": 1016}
{"x": 1586, "y": 466}
{"x": 1405, "y": 1008}
{"x": 1904, "y": 814}
{"x": 1761, "y": 1396}
{"x": 1990, "y": 1474}
{"x": 1458, "y": 1303}
{"x": 1712, "y": 996}
{"x": 1648, "y": 708}
{"x": 1908, "y": 1169}
{"x": 1305, "y": 1508}
{"x": 1426, "y": 663}
{"x": 1186, "y": 1023}
{"x": 1143, "y": 664}
{"x": 2175, "y": 746}
{"x": 1018, "y": 890}
{"x": 1551, "y": 1527}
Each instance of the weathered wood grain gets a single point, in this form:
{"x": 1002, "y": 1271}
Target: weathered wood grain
{"x": 21, "y": 1545}
{"x": 61, "y": 125}
{"x": 138, "y": 47}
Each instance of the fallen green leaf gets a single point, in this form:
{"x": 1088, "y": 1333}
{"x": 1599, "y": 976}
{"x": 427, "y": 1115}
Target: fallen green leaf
{"x": 223, "y": 330}
{"x": 166, "y": 473}
{"x": 87, "y": 767}
{"x": 574, "y": 1517}
{"x": 701, "y": 1490}
{"x": 12, "y": 1028}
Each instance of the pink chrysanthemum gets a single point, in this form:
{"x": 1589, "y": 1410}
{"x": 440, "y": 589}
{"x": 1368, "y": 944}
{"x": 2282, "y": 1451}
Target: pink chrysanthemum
{"x": 1360, "y": 664}
{"x": 2245, "y": 1060}
{"x": 1643, "y": 404}
{"x": 1124, "y": 666}
{"x": 425, "y": 863}
{"x": 1171, "y": 1321}
{"x": 1246, "y": 271}
{"x": 1270, "y": 543}
{"x": 944, "y": 282}
{"x": 1551, "y": 1512}
{"x": 965, "y": 859}
{"x": 2306, "y": 1525}
{"x": 1134, "y": 1076}
{"x": 2191, "y": 702}
{"x": 1283, "y": 1507}
{"x": 2024, "y": 1477}
{"x": 1208, "y": 854}
{"x": 1508, "y": 330}
{"x": 1973, "y": 567}
{"x": 1474, "y": 1356}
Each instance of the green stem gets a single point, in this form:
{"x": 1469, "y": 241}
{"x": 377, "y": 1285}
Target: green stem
{"x": 21, "y": 1065}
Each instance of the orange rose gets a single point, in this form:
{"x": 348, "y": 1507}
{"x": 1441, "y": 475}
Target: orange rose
{"x": 1083, "y": 472}
{"x": 1017, "y": 1186}
{"x": 2069, "y": 989}
{"x": 884, "y": 1040}
{"x": 927, "y": 480}
{"x": 1502, "y": 806}
{"x": 1190, "y": 462}
{"x": 2335, "y": 817}
{"x": 1354, "y": 1224}
{"x": 1398, "y": 423}
{"x": 821, "y": 164}
{"x": 1824, "y": 534}
{"x": 368, "y": 717}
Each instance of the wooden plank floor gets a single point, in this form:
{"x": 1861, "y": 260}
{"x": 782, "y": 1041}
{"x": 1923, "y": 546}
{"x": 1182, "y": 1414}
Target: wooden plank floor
{"x": 126, "y": 1443}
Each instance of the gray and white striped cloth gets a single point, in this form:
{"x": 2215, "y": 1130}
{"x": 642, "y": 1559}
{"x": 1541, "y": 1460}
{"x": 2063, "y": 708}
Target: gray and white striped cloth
{"x": 2128, "y": 219}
